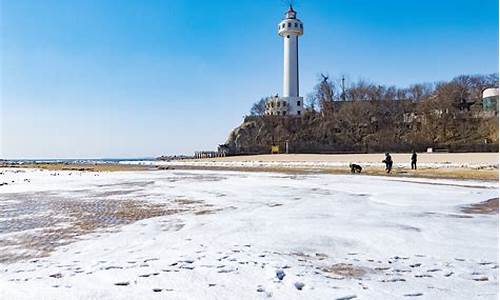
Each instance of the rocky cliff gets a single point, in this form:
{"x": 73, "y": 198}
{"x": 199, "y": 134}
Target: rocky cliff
{"x": 307, "y": 134}
{"x": 313, "y": 133}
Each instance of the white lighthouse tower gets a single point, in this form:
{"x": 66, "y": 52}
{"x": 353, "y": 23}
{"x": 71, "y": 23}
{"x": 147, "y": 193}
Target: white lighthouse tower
{"x": 290, "y": 28}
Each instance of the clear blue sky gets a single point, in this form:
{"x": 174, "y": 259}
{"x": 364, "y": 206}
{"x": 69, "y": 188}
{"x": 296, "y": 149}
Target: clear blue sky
{"x": 143, "y": 78}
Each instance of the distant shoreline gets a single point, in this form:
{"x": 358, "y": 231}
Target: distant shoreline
{"x": 478, "y": 166}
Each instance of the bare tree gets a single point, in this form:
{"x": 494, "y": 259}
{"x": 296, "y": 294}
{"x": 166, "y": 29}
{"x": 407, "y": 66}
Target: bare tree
{"x": 353, "y": 119}
{"x": 324, "y": 93}
{"x": 258, "y": 108}
{"x": 419, "y": 91}
{"x": 311, "y": 102}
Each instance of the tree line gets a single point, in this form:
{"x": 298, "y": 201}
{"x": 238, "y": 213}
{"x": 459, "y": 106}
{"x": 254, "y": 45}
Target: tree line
{"x": 364, "y": 114}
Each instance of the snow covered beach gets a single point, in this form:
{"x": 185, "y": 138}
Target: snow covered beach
{"x": 232, "y": 235}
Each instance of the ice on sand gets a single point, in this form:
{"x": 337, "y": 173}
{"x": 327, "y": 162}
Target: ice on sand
{"x": 224, "y": 235}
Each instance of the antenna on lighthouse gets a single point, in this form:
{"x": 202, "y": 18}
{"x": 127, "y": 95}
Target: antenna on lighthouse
{"x": 289, "y": 3}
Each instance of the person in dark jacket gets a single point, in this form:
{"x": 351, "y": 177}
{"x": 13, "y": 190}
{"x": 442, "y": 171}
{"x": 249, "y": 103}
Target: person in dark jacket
{"x": 414, "y": 160}
{"x": 388, "y": 163}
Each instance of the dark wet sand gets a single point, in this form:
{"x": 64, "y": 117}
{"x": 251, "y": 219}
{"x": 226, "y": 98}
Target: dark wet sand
{"x": 486, "y": 207}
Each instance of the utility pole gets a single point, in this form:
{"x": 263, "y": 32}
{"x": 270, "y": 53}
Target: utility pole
{"x": 343, "y": 88}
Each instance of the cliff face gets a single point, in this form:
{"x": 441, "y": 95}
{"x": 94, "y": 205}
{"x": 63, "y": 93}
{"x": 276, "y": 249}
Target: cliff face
{"x": 313, "y": 133}
{"x": 257, "y": 134}
{"x": 250, "y": 137}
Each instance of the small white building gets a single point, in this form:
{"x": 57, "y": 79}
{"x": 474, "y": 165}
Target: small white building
{"x": 290, "y": 104}
{"x": 276, "y": 106}
{"x": 490, "y": 99}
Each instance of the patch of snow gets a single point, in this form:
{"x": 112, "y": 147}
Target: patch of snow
{"x": 393, "y": 237}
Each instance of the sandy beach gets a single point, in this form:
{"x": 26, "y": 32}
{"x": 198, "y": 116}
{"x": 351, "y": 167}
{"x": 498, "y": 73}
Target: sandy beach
{"x": 399, "y": 158}
{"x": 482, "y": 166}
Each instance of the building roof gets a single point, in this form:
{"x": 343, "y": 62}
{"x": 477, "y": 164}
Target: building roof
{"x": 490, "y": 92}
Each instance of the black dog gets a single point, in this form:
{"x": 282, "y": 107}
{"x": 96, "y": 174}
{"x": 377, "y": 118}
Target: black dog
{"x": 355, "y": 168}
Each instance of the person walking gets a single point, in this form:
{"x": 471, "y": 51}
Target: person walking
{"x": 414, "y": 160}
{"x": 388, "y": 163}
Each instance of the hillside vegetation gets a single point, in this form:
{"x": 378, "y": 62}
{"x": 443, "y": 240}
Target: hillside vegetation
{"x": 366, "y": 117}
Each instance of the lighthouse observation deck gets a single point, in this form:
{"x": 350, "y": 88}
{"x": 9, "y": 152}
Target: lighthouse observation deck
{"x": 290, "y": 25}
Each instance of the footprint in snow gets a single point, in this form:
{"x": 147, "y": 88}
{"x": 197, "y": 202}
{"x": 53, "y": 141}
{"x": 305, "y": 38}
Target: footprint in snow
{"x": 227, "y": 270}
{"x": 401, "y": 257}
{"x": 402, "y": 270}
{"x": 363, "y": 286}
{"x": 56, "y": 275}
{"x": 187, "y": 267}
{"x": 280, "y": 274}
{"x": 480, "y": 278}
{"x": 393, "y": 280}
{"x": 347, "y": 297}
{"x": 299, "y": 285}
{"x": 414, "y": 295}
{"x": 260, "y": 289}
{"x": 433, "y": 270}
{"x": 147, "y": 275}
{"x": 423, "y": 275}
